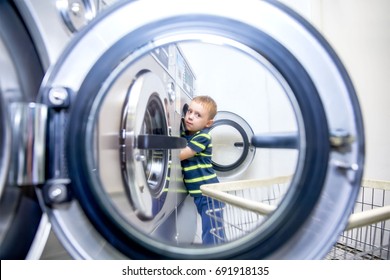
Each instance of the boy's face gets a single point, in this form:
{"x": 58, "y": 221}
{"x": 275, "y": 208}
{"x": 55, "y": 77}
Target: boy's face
{"x": 197, "y": 117}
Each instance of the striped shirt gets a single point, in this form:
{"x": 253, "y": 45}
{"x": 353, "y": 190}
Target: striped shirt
{"x": 198, "y": 170}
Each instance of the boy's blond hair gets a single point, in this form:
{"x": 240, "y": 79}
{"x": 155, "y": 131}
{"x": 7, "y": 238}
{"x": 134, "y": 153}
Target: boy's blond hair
{"x": 208, "y": 103}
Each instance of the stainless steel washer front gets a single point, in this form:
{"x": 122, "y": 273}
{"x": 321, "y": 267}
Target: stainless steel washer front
{"x": 20, "y": 76}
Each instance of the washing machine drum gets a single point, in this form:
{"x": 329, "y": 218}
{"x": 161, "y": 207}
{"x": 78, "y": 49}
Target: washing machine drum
{"x": 113, "y": 183}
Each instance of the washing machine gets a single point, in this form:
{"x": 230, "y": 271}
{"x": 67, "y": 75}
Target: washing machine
{"x": 33, "y": 34}
{"x": 144, "y": 179}
{"x": 22, "y": 71}
{"x": 106, "y": 128}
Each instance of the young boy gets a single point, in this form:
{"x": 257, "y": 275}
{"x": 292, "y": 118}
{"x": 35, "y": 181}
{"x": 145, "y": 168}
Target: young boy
{"x": 196, "y": 158}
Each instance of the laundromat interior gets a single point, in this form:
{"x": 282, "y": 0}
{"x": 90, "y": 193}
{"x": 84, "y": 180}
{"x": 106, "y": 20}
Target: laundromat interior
{"x": 92, "y": 100}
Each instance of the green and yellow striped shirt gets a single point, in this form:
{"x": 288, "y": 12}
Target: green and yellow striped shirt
{"x": 198, "y": 170}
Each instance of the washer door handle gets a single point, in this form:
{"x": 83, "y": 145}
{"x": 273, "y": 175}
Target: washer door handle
{"x": 285, "y": 140}
{"x": 160, "y": 142}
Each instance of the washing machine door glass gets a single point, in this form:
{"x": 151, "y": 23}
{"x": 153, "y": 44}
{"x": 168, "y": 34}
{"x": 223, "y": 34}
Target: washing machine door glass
{"x": 117, "y": 167}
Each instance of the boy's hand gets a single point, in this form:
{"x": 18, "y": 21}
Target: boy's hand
{"x": 187, "y": 153}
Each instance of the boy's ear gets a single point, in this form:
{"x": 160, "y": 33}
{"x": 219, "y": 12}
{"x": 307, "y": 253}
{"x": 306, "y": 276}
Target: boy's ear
{"x": 209, "y": 123}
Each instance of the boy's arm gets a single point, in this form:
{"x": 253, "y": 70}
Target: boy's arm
{"x": 186, "y": 153}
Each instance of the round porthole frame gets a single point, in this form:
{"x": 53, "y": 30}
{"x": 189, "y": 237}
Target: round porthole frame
{"x": 308, "y": 191}
{"x": 225, "y": 118}
{"x": 316, "y": 158}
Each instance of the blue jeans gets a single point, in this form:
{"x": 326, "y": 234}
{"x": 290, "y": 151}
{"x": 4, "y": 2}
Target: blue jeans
{"x": 212, "y": 227}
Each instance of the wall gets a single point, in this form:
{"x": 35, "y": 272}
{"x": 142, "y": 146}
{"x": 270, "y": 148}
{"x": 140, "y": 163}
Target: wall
{"x": 359, "y": 32}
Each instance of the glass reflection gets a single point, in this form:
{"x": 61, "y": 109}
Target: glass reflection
{"x": 147, "y": 98}
{"x": 228, "y": 145}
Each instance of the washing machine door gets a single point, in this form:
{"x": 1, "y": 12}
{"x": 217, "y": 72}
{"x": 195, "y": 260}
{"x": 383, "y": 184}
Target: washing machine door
{"x": 21, "y": 218}
{"x": 235, "y": 144}
{"x": 146, "y": 145}
{"x": 233, "y": 151}
{"x": 98, "y": 216}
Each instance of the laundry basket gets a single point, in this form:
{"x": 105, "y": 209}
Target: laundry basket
{"x": 367, "y": 236}
{"x": 237, "y": 208}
